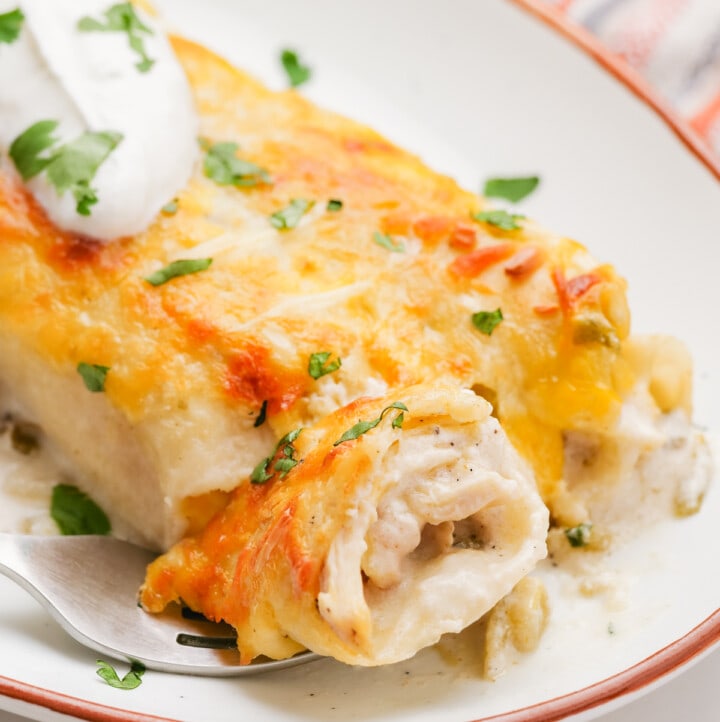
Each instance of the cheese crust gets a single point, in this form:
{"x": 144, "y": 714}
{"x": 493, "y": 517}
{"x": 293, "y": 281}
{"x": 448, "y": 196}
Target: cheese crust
{"x": 389, "y": 284}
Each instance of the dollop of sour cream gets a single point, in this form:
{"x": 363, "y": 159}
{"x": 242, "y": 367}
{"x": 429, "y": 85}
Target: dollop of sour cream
{"x": 89, "y": 81}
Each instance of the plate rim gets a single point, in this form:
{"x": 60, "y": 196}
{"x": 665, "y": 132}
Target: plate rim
{"x": 66, "y": 704}
{"x": 636, "y": 679}
{"x": 632, "y": 681}
{"x": 585, "y": 41}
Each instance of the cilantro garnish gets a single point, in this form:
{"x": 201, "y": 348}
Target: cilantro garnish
{"x": 510, "y": 189}
{"x": 289, "y": 216}
{"x": 334, "y": 205}
{"x": 26, "y": 149}
{"x": 362, "y": 427}
{"x": 487, "y": 321}
{"x": 260, "y": 474}
{"x": 93, "y": 375}
{"x": 10, "y": 25}
{"x": 171, "y": 208}
{"x": 579, "y": 536}
{"x": 262, "y": 416}
{"x": 76, "y": 163}
{"x": 319, "y": 364}
{"x": 500, "y": 219}
{"x": 76, "y": 513}
{"x": 297, "y": 73}
{"x": 382, "y": 239}
{"x": 122, "y": 18}
{"x": 69, "y": 167}
{"x": 130, "y": 681}
{"x": 285, "y": 453}
{"x": 224, "y": 167}
{"x": 182, "y": 267}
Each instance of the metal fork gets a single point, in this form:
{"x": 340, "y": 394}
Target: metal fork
{"x": 89, "y": 584}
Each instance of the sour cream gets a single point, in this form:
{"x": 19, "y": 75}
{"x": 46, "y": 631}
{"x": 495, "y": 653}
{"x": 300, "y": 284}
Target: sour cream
{"x": 89, "y": 81}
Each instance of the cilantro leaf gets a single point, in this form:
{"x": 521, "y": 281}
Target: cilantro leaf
{"x": 288, "y": 217}
{"x": 262, "y": 416}
{"x": 75, "y": 164}
{"x": 579, "y": 536}
{"x": 283, "y": 464}
{"x": 71, "y": 166}
{"x": 297, "y": 73}
{"x": 334, "y": 205}
{"x": 26, "y": 149}
{"x": 224, "y": 167}
{"x": 171, "y": 208}
{"x": 286, "y": 462}
{"x": 130, "y": 681}
{"x": 182, "y": 267}
{"x": 76, "y": 513}
{"x": 122, "y": 18}
{"x": 388, "y": 242}
{"x": 260, "y": 474}
{"x": 510, "y": 189}
{"x": 10, "y": 25}
{"x": 487, "y": 321}
{"x": 93, "y": 375}
{"x": 362, "y": 427}
{"x": 500, "y": 219}
{"x": 319, "y": 364}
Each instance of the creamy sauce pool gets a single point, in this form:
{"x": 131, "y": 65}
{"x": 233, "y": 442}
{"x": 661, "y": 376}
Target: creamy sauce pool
{"x": 26, "y": 483}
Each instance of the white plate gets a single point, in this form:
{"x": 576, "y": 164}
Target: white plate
{"x": 477, "y": 89}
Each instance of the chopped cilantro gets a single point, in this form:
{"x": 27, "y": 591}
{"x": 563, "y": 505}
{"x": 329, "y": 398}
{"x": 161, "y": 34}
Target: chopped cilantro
{"x": 93, "y": 375}
{"x": 71, "y": 166}
{"x": 76, "y": 513}
{"x": 131, "y": 680}
{"x": 182, "y": 267}
{"x": 297, "y": 73}
{"x": 122, "y": 18}
{"x": 382, "y": 239}
{"x": 320, "y": 365}
{"x": 224, "y": 167}
{"x": 579, "y": 536}
{"x": 27, "y": 148}
{"x": 362, "y": 427}
{"x": 260, "y": 473}
{"x": 334, "y": 205}
{"x": 10, "y": 25}
{"x": 171, "y": 208}
{"x": 285, "y": 451}
{"x": 289, "y": 216}
{"x": 76, "y": 163}
{"x": 510, "y": 189}
{"x": 500, "y": 219}
{"x": 262, "y": 416}
{"x": 487, "y": 321}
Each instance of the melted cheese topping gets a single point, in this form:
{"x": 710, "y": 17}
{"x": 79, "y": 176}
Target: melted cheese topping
{"x": 193, "y": 361}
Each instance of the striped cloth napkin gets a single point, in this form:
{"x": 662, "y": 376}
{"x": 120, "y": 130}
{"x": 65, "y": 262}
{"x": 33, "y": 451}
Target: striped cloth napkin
{"x": 675, "y": 44}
